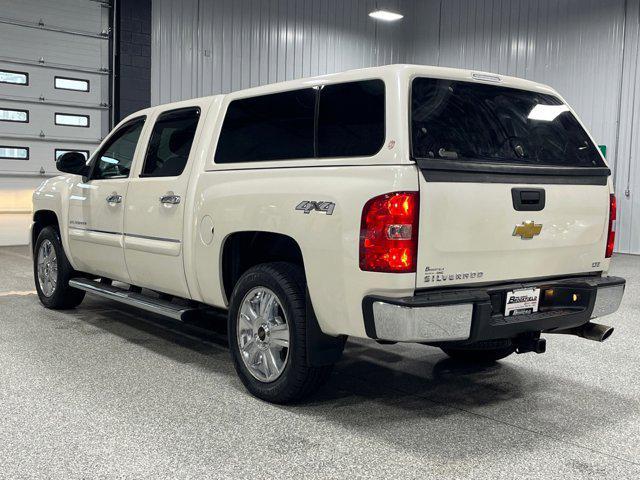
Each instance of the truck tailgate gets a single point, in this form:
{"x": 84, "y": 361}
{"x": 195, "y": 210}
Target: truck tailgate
{"x": 468, "y": 232}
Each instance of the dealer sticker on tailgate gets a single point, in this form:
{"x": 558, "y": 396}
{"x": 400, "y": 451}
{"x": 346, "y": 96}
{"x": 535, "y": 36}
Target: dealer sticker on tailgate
{"x": 521, "y": 302}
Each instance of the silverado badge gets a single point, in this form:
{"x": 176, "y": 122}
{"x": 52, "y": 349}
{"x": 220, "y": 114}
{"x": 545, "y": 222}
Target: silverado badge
{"x": 527, "y": 230}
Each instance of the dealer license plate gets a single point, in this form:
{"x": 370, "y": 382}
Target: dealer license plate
{"x": 522, "y": 302}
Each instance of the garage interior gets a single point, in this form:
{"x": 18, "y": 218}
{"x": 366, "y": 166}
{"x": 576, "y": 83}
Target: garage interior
{"x": 108, "y": 391}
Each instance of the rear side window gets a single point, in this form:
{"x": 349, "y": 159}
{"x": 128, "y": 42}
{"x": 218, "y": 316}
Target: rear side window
{"x": 170, "y": 143}
{"x": 269, "y": 127}
{"x": 339, "y": 120}
{"x": 351, "y": 119}
{"x": 452, "y": 120}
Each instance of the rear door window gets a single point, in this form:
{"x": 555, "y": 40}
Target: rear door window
{"x": 453, "y": 120}
{"x": 278, "y": 126}
{"x": 170, "y": 143}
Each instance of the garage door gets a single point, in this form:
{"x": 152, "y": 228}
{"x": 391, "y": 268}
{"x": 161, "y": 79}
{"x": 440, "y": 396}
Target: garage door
{"x": 54, "y": 81}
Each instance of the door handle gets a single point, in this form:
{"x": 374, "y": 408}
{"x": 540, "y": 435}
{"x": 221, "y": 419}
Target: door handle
{"x": 528, "y": 199}
{"x": 114, "y": 198}
{"x": 170, "y": 199}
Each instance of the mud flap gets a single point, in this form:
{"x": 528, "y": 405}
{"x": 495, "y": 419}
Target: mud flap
{"x": 322, "y": 349}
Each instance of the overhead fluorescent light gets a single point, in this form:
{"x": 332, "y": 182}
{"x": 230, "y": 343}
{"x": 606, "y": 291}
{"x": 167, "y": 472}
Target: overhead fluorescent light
{"x": 385, "y": 15}
{"x": 547, "y": 113}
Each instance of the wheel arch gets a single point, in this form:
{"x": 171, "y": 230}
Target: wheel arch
{"x": 42, "y": 219}
{"x": 243, "y": 249}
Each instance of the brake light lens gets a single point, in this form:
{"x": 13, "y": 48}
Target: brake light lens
{"x": 389, "y": 233}
{"x": 611, "y": 237}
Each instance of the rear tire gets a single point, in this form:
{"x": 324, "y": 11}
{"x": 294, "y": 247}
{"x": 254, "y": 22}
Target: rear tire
{"x": 267, "y": 311}
{"x": 52, "y": 272}
{"x": 482, "y": 352}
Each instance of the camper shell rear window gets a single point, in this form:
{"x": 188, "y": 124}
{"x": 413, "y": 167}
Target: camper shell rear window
{"x": 466, "y": 121}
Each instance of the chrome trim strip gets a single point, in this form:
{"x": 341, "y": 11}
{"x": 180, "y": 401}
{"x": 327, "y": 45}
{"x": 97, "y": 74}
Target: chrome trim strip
{"x": 607, "y": 300}
{"x": 422, "y": 324}
{"x": 146, "y": 237}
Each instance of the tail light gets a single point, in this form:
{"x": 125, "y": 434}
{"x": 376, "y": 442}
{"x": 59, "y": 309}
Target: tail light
{"x": 611, "y": 237}
{"x": 389, "y": 233}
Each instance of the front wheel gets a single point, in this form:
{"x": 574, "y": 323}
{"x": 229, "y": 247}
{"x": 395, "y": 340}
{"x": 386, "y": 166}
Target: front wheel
{"x": 52, "y": 272}
{"x": 267, "y": 334}
{"x": 482, "y": 352}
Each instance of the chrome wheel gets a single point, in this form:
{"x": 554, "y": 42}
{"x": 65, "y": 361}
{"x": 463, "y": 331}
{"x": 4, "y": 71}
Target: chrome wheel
{"x": 47, "y": 268}
{"x": 263, "y": 334}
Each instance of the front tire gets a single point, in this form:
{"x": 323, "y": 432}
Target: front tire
{"x": 267, "y": 334}
{"x": 52, "y": 272}
{"x": 482, "y": 352}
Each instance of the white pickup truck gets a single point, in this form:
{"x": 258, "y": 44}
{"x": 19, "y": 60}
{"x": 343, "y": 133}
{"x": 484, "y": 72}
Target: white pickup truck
{"x": 464, "y": 210}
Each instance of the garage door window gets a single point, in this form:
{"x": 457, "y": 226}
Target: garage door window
{"x": 10, "y": 115}
{"x": 77, "y": 84}
{"x": 170, "y": 143}
{"x": 114, "y": 159}
{"x": 60, "y": 152}
{"x": 14, "y": 153}
{"x": 16, "y": 78}
{"x": 71, "y": 120}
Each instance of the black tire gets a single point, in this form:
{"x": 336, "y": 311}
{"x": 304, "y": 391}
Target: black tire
{"x": 297, "y": 380}
{"x": 482, "y": 352}
{"x": 63, "y": 296}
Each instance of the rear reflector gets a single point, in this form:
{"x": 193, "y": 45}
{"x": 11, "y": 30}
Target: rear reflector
{"x": 611, "y": 237}
{"x": 389, "y": 233}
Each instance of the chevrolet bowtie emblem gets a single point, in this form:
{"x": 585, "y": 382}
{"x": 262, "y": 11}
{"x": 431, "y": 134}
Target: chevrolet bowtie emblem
{"x": 527, "y": 230}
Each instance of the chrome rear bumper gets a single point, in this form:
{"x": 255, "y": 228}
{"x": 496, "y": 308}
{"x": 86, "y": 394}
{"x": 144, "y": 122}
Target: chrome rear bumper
{"x": 474, "y": 314}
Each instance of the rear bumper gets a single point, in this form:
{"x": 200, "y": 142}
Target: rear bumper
{"x": 474, "y": 314}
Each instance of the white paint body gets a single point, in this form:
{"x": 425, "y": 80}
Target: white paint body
{"x": 464, "y": 227}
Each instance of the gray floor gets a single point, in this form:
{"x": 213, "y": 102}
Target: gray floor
{"x": 109, "y": 392}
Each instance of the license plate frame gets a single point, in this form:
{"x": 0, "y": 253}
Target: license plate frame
{"x": 523, "y": 301}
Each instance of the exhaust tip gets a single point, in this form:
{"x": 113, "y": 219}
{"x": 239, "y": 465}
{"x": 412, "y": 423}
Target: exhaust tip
{"x": 596, "y": 332}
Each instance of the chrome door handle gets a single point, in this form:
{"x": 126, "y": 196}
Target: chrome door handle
{"x": 114, "y": 198}
{"x": 170, "y": 199}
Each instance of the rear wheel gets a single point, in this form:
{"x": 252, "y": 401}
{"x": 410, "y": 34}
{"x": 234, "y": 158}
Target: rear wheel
{"x": 267, "y": 334}
{"x": 52, "y": 272}
{"x": 482, "y": 352}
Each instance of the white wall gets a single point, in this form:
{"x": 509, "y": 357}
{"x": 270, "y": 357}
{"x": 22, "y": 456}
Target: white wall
{"x": 216, "y": 46}
{"x": 587, "y": 49}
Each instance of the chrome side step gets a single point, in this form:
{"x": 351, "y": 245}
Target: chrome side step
{"x": 150, "y": 304}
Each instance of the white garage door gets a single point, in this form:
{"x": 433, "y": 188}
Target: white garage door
{"x": 54, "y": 81}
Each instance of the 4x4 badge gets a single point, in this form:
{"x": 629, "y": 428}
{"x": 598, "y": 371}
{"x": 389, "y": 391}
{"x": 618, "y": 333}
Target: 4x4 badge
{"x": 308, "y": 206}
{"x": 527, "y": 230}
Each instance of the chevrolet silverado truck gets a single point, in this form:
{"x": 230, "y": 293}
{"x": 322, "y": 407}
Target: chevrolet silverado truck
{"x": 463, "y": 210}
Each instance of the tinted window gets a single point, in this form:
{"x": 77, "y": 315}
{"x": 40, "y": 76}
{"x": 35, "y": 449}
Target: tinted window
{"x": 468, "y": 121}
{"x": 114, "y": 159}
{"x": 269, "y": 127}
{"x": 170, "y": 143}
{"x": 351, "y": 119}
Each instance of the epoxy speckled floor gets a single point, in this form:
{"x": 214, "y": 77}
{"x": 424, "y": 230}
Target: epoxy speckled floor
{"x": 106, "y": 391}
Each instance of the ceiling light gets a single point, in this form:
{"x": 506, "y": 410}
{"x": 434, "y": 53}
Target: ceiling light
{"x": 385, "y": 15}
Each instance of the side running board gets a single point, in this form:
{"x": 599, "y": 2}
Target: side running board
{"x": 150, "y": 304}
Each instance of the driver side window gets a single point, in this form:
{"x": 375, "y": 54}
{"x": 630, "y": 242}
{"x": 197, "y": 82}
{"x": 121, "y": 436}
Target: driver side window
{"x": 115, "y": 158}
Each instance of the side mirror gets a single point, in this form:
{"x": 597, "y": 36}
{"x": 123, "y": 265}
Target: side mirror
{"x": 73, "y": 162}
